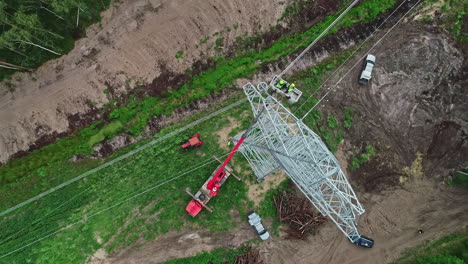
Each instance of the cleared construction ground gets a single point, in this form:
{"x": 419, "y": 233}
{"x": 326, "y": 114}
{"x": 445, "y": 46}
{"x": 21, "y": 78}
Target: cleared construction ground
{"x": 130, "y": 211}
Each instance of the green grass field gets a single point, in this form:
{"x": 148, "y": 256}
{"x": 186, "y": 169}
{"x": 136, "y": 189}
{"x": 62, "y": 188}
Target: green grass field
{"x": 129, "y": 221}
{"x": 451, "y": 249}
{"x": 157, "y": 211}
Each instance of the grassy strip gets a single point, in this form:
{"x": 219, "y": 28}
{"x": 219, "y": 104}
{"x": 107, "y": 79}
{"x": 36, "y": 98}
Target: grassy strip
{"x": 449, "y": 249}
{"x": 453, "y": 14}
{"x": 460, "y": 179}
{"x": 221, "y": 255}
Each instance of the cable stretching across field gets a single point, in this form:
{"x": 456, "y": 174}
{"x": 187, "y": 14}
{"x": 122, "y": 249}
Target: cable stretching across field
{"x": 373, "y": 46}
{"x": 168, "y": 135}
{"x": 100, "y": 167}
{"x": 159, "y": 184}
{"x": 317, "y": 39}
{"x": 159, "y": 140}
{"x": 12, "y": 236}
{"x": 349, "y": 57}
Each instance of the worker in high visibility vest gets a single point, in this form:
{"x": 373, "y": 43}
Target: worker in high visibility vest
{"x": 280, "y": 84}
{"x": 291, "y": 87}
{"x": 229, "y": 143}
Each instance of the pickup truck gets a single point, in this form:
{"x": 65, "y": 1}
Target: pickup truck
{"x": 366, "y": 73}
{"x": 256, "y": 222}
{"x": 364, "y": 242}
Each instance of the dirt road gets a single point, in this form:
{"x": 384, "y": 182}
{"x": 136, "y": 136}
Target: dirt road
{"x": 392, "y": 218}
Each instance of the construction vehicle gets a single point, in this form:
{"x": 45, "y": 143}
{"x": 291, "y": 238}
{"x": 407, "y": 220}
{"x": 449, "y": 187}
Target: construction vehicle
{"x": 194, "y": 141}
{"x": 366, "y": 73}
{"x": 281, "y": 87}
{"x": 210, "y": 188}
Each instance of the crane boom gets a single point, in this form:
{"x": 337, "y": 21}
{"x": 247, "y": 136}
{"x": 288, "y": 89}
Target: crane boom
{"x": 211, "y": 187}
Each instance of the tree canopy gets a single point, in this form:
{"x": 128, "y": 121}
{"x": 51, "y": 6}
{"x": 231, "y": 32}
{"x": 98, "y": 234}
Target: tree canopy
{"x": 34, "y": 31}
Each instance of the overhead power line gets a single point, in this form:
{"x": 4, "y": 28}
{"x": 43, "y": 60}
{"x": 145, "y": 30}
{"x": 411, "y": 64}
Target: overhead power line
{"x": 349, "y": 57}
{"x": 359, "y": 61}
{"x": 149, "y": 144}
{"x": 318, "y": 38}
{"x": 85, "y": 218}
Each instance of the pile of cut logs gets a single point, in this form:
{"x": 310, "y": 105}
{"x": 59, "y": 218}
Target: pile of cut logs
{"x": 298, "y": 214}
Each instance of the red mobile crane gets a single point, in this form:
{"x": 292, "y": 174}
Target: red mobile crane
{"x": 212, "y": 185}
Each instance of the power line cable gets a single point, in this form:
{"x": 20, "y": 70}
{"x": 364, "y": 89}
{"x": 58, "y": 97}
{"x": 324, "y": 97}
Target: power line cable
{"x": 150, "y": 143}
{"x": 100, "y": 167}
{"x": 350, "y": 56}
{"x": 159, "y": 184}
{"x": 318, "y": 38}
{"x": 57, "y": 207}
{"x": 373, "y": 46}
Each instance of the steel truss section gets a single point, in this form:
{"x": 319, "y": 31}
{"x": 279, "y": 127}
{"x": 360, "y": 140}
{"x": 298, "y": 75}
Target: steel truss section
{"x": 280, "y": 140}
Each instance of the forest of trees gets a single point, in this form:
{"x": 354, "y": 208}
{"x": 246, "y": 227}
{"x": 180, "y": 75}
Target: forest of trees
{"x": 34, "y": 31}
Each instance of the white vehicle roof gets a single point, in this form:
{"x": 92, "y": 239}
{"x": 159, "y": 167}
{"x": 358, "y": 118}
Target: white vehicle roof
{"x": 265, "y": 236}
{"x": 371, "y": 58}
{"x": 253, "y": 215}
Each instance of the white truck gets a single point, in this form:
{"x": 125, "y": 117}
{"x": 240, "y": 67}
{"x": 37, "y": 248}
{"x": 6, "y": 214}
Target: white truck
{"x": 256, "y": 222}
{"x": 366, "y": 73}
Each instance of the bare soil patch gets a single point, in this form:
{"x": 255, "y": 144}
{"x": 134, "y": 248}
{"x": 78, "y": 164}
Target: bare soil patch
{"x": 257, "y": 191}
{"x": 223, "y": 133}
{"x": 392, "y": 218}
{"x": 183, "y": 244}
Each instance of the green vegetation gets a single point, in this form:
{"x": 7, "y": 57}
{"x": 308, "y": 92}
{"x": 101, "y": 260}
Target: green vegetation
{"x": 204, "y": 40}
{"x": 147, "y": 216}
{"x": 452, "y": 249}
{"x": 267, "y": 207}
{"x": 330, "y": 128}
{"x": 135, "y": 115}
{"x": 218, "y": 43}
{"x": 221, "y": 255}
{"x": 179, "y": 54}
{"x": 364, "y": 157}
{"x": 30, "y": 25}
{"x": 107, "y": 131}
{"x": 331, "y": 121}
{"x": 348, "y": 119}
{"x": 157, "y": 211}
{"x": 294, "y": 9}
{"x": 453, "y": 14}
{"x": 460, "y": 179}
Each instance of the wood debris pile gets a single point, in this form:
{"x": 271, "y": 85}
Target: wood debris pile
{"x": 298, "y": 214}
{"x": 252, "y": 256}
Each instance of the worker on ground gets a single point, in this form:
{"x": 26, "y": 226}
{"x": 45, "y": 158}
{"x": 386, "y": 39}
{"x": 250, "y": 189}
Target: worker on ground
{"x": 291, "y": 87}
{"x": 229, "y": 143}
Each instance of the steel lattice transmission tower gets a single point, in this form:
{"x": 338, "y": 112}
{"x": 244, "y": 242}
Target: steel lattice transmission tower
{"x": 280, "y": 140}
